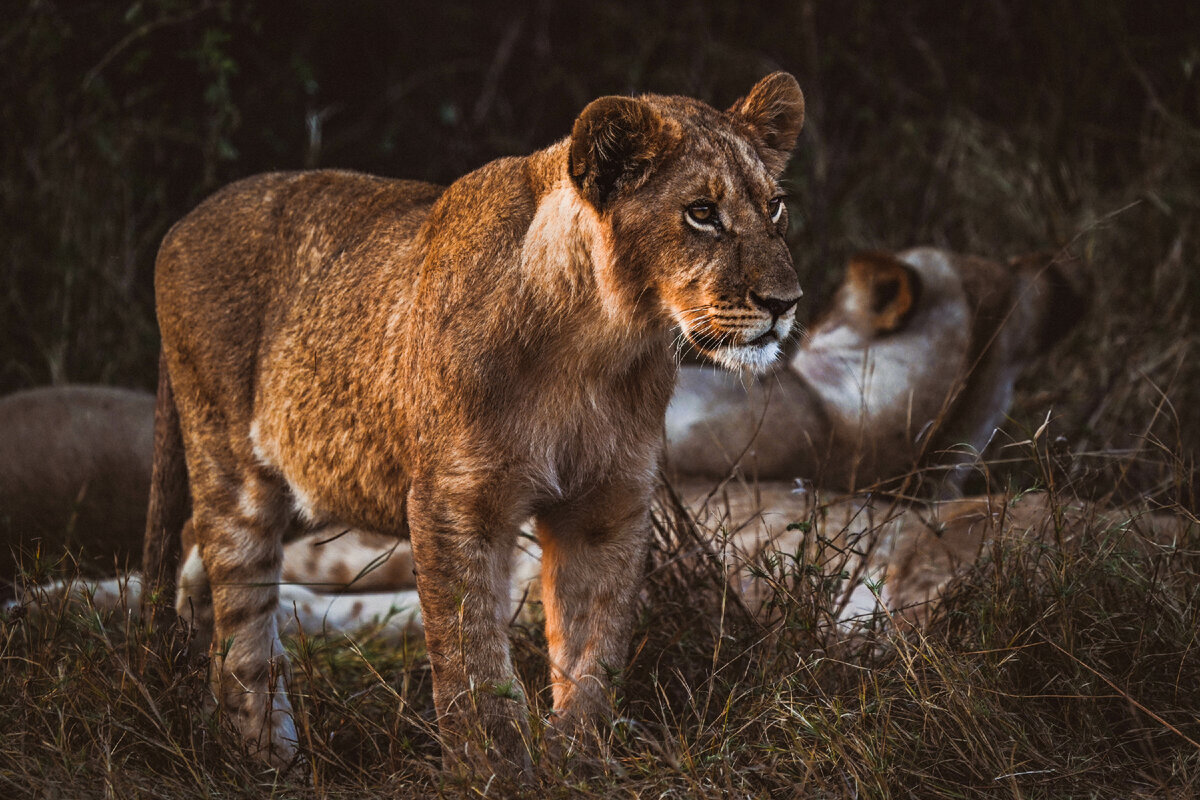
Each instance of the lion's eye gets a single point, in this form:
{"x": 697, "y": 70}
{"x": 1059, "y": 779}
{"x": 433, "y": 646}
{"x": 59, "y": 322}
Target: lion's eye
{"x": 703, "y": 215}
{"x": 775, "y": 208}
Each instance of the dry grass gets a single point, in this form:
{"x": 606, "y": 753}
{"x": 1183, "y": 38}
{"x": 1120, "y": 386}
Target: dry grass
{"x": 1049, "y": 672}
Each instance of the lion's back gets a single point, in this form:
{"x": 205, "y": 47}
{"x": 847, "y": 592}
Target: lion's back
{"x": 266, "y": 233}
{"x": 275, "y": 252}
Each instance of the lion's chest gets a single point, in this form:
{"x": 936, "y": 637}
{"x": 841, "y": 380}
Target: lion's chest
{"x": 562, "y": 438}
{"x": 568, "y": 442}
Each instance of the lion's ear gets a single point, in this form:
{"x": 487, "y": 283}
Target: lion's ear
{"x": 887, "y": 289}
{"x": 615, "y": 144}
{"x": 773, "y": 114}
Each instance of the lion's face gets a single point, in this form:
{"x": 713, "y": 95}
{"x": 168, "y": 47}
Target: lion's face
{"x": 721, "y": 268}
{"x": 698, "y": 217}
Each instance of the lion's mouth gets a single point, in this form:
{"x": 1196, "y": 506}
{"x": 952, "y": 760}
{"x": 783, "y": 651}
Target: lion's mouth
{"x": 763, "y": 339}
{"x": 756, "y": 354}
{"x": 708, "y": 342}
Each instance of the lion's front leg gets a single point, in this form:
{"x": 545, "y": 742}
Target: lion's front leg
{"x": 593, "y": 552}
{"x": 462, "y": 547}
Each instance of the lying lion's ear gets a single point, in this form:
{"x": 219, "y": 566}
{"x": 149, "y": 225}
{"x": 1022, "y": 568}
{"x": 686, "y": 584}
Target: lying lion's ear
{"x": 773, "y": 114}
{"x": 615, "y": 144}
{"x": 887, "y": 288}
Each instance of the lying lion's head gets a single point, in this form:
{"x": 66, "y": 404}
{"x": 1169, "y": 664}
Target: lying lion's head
{"x": 696, "y": 214}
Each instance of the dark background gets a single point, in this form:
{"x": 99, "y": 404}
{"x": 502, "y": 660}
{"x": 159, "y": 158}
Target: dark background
{"x": 990, "y": 127}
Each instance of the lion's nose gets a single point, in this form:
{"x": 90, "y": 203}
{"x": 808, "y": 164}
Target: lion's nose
{"x": 776, "y": 305}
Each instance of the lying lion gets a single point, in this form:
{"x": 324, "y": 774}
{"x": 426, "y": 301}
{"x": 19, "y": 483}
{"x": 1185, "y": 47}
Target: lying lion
{"x": 927, "y": 330}
{"x": 918, "y": 352}
{"x": 896, "y": 558}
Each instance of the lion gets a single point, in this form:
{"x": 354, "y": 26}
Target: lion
{"x": 439, "y": 364}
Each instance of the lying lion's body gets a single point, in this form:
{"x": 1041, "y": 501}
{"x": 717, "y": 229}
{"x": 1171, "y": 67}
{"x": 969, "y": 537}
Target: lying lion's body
{"x": 442, "y": 364}
{"x": 72, "y": 442}
{"x": 74, "y": 474}
{"x": 908, "y": 552}
{"x": 894, "y": 559}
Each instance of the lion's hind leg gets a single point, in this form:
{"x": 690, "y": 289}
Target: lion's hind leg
{"x": 239, "y": 522}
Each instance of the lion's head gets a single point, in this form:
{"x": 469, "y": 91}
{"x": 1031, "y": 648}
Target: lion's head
{"x": 695, "y": 214}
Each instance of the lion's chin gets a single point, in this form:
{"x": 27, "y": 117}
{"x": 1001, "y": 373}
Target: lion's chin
{"x": 753, "y": 357}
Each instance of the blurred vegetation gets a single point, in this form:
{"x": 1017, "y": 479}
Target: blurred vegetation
{"x": 995, "y": 128}
{"x": 1051, "y": 670}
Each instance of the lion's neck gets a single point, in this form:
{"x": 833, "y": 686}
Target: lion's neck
{"x": 771, "y": 426}
{"x": 855, "y": 383}
{"x": 568, "y": 246}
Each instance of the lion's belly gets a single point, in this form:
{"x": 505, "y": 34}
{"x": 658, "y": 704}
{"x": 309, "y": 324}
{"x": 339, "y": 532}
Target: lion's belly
{"x": 339, "y": 463}
{"x": 337, "y": 476}
{"x": 337, "y": 453}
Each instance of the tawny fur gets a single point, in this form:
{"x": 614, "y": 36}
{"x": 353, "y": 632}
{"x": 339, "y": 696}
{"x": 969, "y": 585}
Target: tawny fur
{"x": 442, "y": 364}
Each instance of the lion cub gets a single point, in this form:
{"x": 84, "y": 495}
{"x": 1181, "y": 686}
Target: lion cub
{"x": 443, "y": 363}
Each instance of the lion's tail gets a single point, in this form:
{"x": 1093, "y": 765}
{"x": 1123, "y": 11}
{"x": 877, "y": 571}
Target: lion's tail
{"x": 170, "y": 499}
